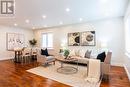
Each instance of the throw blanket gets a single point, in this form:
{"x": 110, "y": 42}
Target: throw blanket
{"x": 93, "y": 71}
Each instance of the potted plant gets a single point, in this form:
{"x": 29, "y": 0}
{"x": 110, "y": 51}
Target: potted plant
{"x": 33, "y": 42}
{"x": 66, "y": 53}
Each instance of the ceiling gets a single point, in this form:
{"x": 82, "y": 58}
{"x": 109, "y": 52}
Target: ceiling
{"x": 55, "y": 14}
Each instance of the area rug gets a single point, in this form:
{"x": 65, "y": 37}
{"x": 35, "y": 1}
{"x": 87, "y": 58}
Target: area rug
{"x": 75, "y": 80}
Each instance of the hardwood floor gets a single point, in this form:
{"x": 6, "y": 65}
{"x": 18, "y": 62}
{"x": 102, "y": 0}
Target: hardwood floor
{"x": 15, "y": 75}
{"x": 117, "y": 78}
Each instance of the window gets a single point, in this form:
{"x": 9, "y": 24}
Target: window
{"x": 127, "y": 35}
{"x": 47, "y": 40}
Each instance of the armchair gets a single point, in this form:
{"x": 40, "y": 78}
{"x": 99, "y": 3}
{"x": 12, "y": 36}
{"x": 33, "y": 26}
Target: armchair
{"x": 105, "y": 66}
{"x": 45, "y": 60}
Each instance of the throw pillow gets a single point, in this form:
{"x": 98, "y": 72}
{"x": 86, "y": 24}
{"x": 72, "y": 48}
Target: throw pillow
{"x": 72, "y": 53}
{"x": 82, "y": 53}
{"x": 101, "y": 56}
{"x": 88, "y": 54}
{"x": 77, "y": 52}
{"x": 44, "y": 52}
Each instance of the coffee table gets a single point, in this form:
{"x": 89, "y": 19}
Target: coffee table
{"x": 67, "y": 69}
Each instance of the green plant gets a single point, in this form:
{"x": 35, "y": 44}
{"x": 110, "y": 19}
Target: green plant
{"x": 66, "y": 53}
{"x": 33, "y": 42}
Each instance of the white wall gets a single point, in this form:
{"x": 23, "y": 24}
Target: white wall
{"x": 110, "y": 30}
{"x": 4, "y": 54}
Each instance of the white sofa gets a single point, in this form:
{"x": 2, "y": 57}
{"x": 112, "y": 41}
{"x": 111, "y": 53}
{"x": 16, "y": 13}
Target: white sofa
{"x": 105, "y": 66}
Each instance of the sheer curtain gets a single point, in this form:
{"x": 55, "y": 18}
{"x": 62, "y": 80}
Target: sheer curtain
{"x": 47, "y": 40}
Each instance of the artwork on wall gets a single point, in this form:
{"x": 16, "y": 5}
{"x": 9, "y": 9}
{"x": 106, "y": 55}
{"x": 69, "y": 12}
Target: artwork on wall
{"x": 14, "y": 40}
{"x": 74, "y": 39}
{"x": 88, "y": 38}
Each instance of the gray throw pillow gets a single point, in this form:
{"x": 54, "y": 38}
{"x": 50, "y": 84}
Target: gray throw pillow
{"x": 88, "y": 54}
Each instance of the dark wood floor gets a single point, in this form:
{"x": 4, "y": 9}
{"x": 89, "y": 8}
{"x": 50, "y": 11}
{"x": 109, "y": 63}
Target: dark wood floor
{"x": 15, "y": 75}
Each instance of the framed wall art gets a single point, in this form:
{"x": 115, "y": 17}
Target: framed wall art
{"x": 88, "y": 38}
{"x": 74, "y": 39}
{"x": 14, "y": 40}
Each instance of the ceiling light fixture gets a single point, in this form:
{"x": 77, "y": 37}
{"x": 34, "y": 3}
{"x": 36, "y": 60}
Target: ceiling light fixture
{"x": 44, "y": 16}
{"x": 45, "y": 25}
{"x": 104, "y": 1}
{"x": 67, "y": 9}
{"x": 60, "y": 22}
{"x": 27, "y": 21}
{"x": 80, "y": 19}
{"x": 15, "y": 24}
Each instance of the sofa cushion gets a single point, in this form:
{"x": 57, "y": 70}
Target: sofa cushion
{"x": 44, "y": 52}
{"x": 82, "y": 53}
{"x": 101, "y": 56}
{"x": 77, "y": 52}
{"x": 88, "y": 54}
{"x": 72, "y": 53}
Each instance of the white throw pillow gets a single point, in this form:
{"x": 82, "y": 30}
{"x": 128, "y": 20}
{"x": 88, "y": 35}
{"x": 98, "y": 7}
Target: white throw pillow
{"x": 72, "y": 53}
{"x": 82, "y": 53}
{"x": 77, "y": 52}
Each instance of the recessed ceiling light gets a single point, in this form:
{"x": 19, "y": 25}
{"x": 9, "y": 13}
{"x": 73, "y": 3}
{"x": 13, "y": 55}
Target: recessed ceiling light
{"x": 45, "y": 25}
{"x": 60, "y": 22}
{"x": 43, "y": 16}
{"x": 27, "y": 21}
{"x": 15, "y": 24}
{"x": 67, "y": 9}
{"x": 104, "y": 1}
{"x": 80, "y": 19}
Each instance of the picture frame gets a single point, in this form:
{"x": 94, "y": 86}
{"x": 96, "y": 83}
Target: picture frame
{"x": 14, "y": 40}
{"x": 74, "y": 39}
{"x": 88, "y": 38}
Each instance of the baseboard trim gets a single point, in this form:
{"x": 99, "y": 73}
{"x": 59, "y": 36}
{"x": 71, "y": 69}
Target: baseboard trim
{"x": 7, "y": 58}
{"x": 117, "y": 64}
{"x": 128, "y": 74}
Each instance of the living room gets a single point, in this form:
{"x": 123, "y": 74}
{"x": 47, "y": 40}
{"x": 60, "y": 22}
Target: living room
{"x": 53, "y": 24}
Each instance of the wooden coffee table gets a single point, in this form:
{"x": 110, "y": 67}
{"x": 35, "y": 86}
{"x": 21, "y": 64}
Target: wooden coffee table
{"x": 67, "y": 69}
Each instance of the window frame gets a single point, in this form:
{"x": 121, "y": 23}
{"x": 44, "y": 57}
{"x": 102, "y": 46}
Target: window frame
{"x": 46, "y": 40}
{"x": 127, "y": 36}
